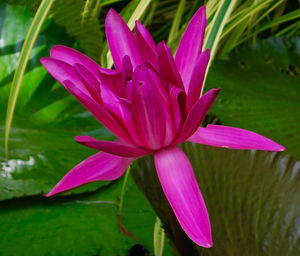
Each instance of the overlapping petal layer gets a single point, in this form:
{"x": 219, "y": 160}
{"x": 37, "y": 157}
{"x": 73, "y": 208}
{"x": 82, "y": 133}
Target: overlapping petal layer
{"x": 72, "y": 57}
{"x": 197, "y": 114}
{"x": 113, "y": 147}
{"x": 150, "y": 116}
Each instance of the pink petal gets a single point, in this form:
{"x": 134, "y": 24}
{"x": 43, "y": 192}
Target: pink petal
{"x": 73, "y": 57}
{"x": 121, "y": 40}
{"x": 89, "y": 81}
{"x": 101, "y": 166}
{"x": 146, "y": 44}
{"x": 112, "y": 147}
{"x": 120, "y": 109}
{"x": 182, "y": 191}
{"x": 112, "y": 81}
{"x": 98, "y": 111}
{"x": 197, "y": 114}
{"x": 235, "y": 138}
{"x": 144, "y": 34}
{"x": 196, "y": 82}
{"x": 178, "y": 106}
{"x": 150, "y": 116}
{"x": 167, "y": 67}
{"x": 190, "y": 46}
{"x": 159, "y": 85}
{"x": 117, "y": 81}
{"x": 62, "y": 71}
{"x": 113, "y": 103}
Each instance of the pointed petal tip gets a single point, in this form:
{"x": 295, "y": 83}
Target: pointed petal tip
{"x": 44, "y": 60}
{"x": 207, "y": 51}
{"x": 205, "y": 242}
{"x": 279, "y": 148}
{"x": 201, "y": 12}
{"x": 111, "y": 11}
{"x": 48, "y": 195}
{"x": 214, "y": 92}
{"x": 111, "y": 15}
{"x": 81, "y": 138}
{"x": 202, "y": 8}
{"x": 138, "y": 23}
{"x": 208, "y": 245}
{"x": 51, "y": 193}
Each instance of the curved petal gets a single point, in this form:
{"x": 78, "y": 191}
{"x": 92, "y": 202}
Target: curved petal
{"x": 89, "y": 81}
{"x": 98, "y": 111}
{"x": 149, "y": 114}
{"x": 196, "y": 82}
{"x": 146, "y": 43}
{"x": 73, "y": 57}
{"x": 144, "y": 34}
{"x": 178, "y": 106}
{"x": 101, "y": 166}
{"x": 190, "y": 46}
{"x": 62, "y": 71}
{"x": 235, "y": 138}
{"x": 159, "y": 85}
{"x": 167, "y": 67}
{"x": 197, "y": 114}
{"x": 121, "y": 40}
{"x": 182, "y": 191}
{"x": 112, "y": 81}
{"x": 117, "y": 82}
{"x": 112, "y": 147}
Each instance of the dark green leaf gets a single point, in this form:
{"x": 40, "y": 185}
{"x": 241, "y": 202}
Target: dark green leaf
{"x": 252, "y": 198}
{"x": 81, "y": 225}
{"x": 260, "y": 91}
{"x": 41, "y": 147}
{"x": 61, "y": 226}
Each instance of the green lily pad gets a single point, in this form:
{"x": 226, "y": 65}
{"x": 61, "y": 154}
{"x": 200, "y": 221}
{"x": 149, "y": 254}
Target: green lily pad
{"x": 253, "y": 199}
{"x": 82, "y": 225}
{"x": 261, "y": 90}
{"x": 41, "y": 145}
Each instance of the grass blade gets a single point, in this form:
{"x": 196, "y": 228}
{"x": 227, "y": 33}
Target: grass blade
{"x": 176, "y": 22}
{"x": 243, "y": 16}
{"x": 217, "y": 25}
{"x": 290, "y": 30}
{"x": 22, "y": 63}
{"x": 159, "y": 238}
{"x": 287, "y": 17}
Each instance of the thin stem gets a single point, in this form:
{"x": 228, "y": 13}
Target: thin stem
{"x": 123, "y": 191}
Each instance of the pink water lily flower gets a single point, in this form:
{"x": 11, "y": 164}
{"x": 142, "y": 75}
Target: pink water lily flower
{"x": 151, "y": 102}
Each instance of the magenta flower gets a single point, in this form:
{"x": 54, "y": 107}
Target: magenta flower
{"x": 151, "y": 102}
